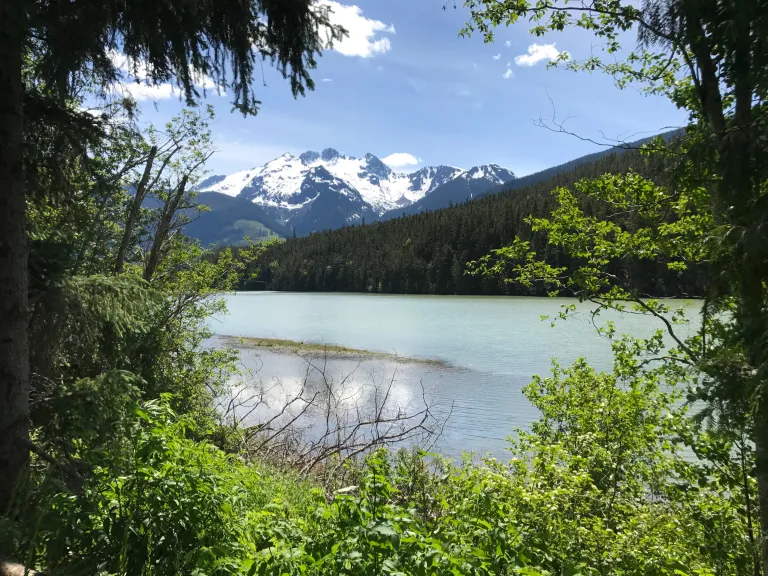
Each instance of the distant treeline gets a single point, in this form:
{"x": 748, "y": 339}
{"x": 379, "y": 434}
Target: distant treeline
{"x": 427, "y": 253}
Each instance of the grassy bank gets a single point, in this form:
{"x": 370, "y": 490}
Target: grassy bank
{"x": 314, "y": 349}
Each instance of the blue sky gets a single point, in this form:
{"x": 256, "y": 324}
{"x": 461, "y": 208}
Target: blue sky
{"x": 405, "y": 84}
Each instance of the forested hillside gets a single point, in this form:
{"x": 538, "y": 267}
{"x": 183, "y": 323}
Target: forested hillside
{"x": 227, "y": 221}
{"x": 427, "y": 253}
{"x": 448, "y": 193}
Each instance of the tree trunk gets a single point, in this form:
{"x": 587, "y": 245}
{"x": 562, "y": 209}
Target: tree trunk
{"x": 751, "y": 319}
{"x": 761, "y": 466}
{"x": 738, "y": 194}
{"x": 14, "y": 329}
{"x": 162, "y": 229}
{"x": 133, "y": 213}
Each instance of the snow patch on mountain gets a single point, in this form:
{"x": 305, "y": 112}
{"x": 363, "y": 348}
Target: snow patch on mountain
{"x": 493, "y": 173}
{"x": 230, "y": 185}
{"x": 427, "y": 179}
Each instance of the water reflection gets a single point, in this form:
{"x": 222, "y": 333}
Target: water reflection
{"x": 493, "y": 345}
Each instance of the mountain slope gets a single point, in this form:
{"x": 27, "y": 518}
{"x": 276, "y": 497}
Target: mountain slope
{"x": 566, "y": 167}
{"x": 285, "y": 182}
{"x": 332, "y": 204}
{"x": 229, "y": 221}
{"x": 326, "y": 190}
{"x": 455, "y": 193}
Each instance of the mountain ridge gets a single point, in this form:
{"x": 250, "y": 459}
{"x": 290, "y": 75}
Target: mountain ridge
{"x": 315, "y": 191}
{"x": 330, "y": 204}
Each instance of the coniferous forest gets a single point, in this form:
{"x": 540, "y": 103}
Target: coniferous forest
{"x": 427, "y": 253}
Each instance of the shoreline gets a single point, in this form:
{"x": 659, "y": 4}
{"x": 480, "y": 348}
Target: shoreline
{"x": 282, "y": 346}
{"x": 686, "y": 299}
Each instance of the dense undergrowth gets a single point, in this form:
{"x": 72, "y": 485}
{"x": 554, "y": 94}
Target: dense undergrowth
{"x": 599, "y": 485}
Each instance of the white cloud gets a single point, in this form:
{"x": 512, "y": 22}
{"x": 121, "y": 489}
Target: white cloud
{"x": 508, "y": 74}
{"x": 207, "y": 83}
{"x": 137, "y": 85}
{"x": 508, "y": 43}
{"x": 92, "y": 111}
{"x": 362, "y": 32}
{"x": 497, "y": 57}
{"x": 327, "y": 80}
{"x": 536, "y": 54}
{"x": 136, "y": 69}
{"x": 141, "y": 92}
{"x": 400, "y": 159}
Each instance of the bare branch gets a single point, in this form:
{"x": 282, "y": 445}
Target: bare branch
{"x": 330, "y": 420}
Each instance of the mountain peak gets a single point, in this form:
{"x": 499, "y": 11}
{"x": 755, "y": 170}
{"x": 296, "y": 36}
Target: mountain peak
{"x": 320, "y": 182}
{"x": 376, "y": 166}
{"x": 430, "y": 177}
{"x": 330, "y": 154}
{"x": 309, "y": 157}
{"x": 491, "y": 172}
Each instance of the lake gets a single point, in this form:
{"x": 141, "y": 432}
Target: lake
{"x": 488, "y": 348}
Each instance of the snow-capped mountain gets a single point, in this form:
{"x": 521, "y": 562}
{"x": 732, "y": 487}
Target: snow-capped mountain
{"x": 318, "y": 190}
{"x": 467, "y": 185}
{"x": 285, "y": 182}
